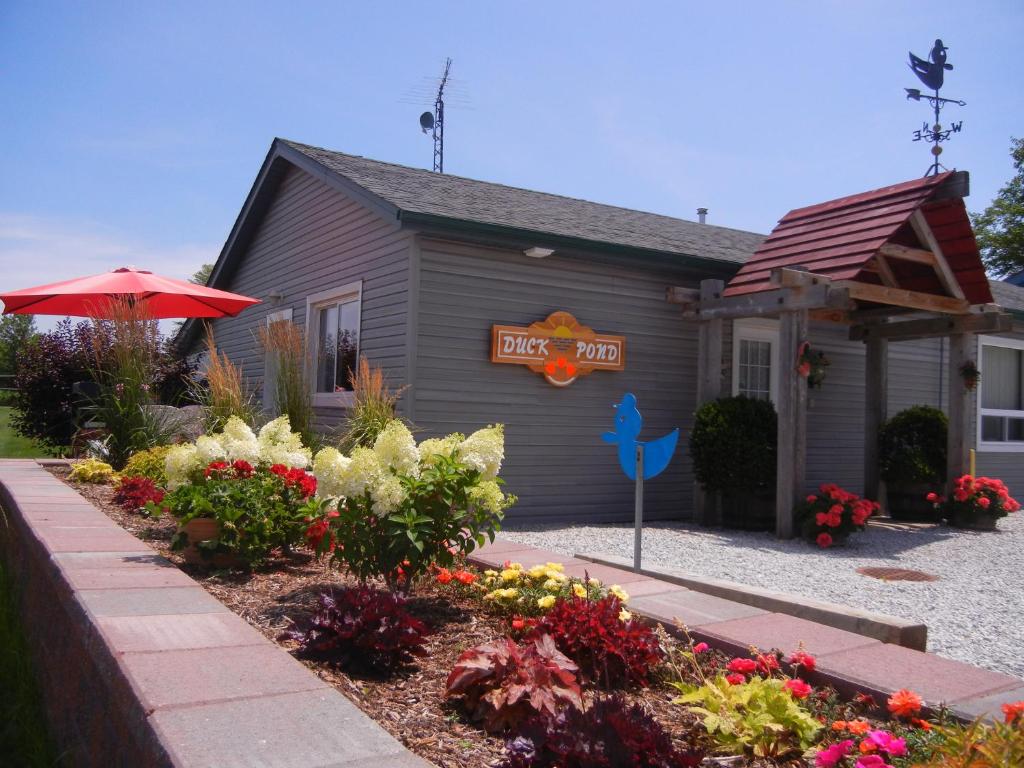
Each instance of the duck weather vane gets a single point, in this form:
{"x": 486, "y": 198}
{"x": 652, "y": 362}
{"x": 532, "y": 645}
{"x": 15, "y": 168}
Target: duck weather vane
{"x": 931, "y": 72}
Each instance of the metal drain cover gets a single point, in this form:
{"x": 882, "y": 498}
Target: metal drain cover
{"x": 896, "y": 574}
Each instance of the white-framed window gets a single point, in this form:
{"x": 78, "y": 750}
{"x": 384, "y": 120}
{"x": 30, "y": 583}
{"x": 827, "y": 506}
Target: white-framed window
{"x": 1001, "y": 394}
{"x": 270, "y": 364}
{"x": 332, "y": 330}
{"x": 755, "y": 358}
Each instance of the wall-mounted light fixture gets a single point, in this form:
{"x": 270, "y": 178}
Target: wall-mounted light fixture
{"x": 538, "y": 253}
{"x": 275, "y": 297}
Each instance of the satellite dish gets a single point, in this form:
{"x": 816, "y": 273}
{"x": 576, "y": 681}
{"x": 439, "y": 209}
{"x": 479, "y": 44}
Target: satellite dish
{"x": 427, "y": 121}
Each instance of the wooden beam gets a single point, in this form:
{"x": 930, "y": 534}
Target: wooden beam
{"x": 790, "y": 473}
{"x": 787, "y": 277}
{"x": 924, "y": 232}
{"x": 899, "y": 297}
{"x": 885, "y": 272}
{"x": 709, "y": 387}
{"x": 829, "y": 316}
{"x": 960, "y": 346}
{"x": 769, "y": 303}
{"x": 907, "y": 330}
{"x": 904, "y": 253}
{"x": 876, "y": 388}
{"x": 676, "y": 294}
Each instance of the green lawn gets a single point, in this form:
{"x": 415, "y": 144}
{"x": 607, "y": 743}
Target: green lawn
{"x": 13, "y": 445}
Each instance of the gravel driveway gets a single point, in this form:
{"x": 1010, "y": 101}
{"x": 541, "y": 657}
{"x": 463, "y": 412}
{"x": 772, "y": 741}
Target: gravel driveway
{"x": 974, "y": 612}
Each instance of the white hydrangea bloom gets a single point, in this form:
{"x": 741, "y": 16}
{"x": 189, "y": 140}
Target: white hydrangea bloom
{"x": 387, "y": 495}
{"x": 237, "y": 430}
{"x": 181, "y": 460}
{"x": 281, "y": 453}
{"x": 279, "y": 431}
{"x": 241, "y": 450}
{"x": 209, "y": 448}
{"x": 439, "y": 446}
{"x": 484, "y": 450}
{"x": 487, "y": 495}
{"x": 330, "y": 467}
{"x": 396, "y": 449}
{"x": 363, "y": 473}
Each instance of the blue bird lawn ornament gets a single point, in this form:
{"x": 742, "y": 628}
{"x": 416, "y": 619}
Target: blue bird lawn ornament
{"x": 628, "y": 422}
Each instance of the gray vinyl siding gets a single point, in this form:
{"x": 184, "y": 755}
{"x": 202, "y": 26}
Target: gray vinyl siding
{"x": 314, "y": 238}
{"x": 556, "y": 462}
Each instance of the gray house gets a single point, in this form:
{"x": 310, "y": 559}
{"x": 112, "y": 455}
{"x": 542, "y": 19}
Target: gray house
{"x": 435, "y": 277}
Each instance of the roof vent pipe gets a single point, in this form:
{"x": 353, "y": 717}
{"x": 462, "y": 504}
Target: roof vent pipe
{"x": 702, "y": 214}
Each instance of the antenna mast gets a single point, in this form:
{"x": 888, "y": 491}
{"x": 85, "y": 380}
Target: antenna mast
{"x": 439, "y": 120}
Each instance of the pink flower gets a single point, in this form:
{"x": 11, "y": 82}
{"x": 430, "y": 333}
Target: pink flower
{"x": 831, "y": 756}
{"x": 700, "y": 647}
{"x": 984, "y": 502}
{"x": 932, "y": 497}
{"x": 736, "y": 678}
{"x": 888, "y": 743}
{"x": 743, "y": 666}
{"x": 872, "y": 761}
{"x": 803, "y": 659}
{"x": 798, "y": 688}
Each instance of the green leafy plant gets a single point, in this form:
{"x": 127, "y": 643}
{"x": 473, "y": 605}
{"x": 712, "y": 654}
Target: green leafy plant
{"x": 374, "y": 406}
{"x": 503, "y": 683}
{"x": 397, "y": 509}
{"x": 759, "y": 716}
{"x": 257, "y": 510}
{"x": 149, "y": 463}
{"x": 972, "y": 745}
{"x": 733, "y": 444}
{"x": 912, "y": 446}
{"x": 92, "y": 471}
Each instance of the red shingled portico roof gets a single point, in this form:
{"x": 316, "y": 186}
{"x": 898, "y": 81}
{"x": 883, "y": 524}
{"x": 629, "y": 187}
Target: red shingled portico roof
{"x": 842, "y": 240}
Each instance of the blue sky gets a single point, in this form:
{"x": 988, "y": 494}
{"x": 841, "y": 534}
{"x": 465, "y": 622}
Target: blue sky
{"x": 132, "y": 131}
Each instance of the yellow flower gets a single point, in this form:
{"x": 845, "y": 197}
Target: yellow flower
{"x": 510, "y": 574}
{"x": 619, "y": 592}
{"x": 625, "y": 615}
{"x": 579, "y": 590}
{"x": 489, "y": 572}
{"x": 594, "y": 582}
{"x": 559, "y": 577}
{"x": 507, "y": 594}
{"x": 492, "y": 595}
{"x": 546, "y": 602}
{"x": 516, "y": 566}
{"x": 555, "y": 567}
{"x": 538, "y": 572}
{"x": 551, "y": 585}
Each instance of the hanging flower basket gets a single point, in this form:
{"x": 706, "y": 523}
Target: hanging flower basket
{"x": 811, "y": 364}
{"x": 970, "y": 374}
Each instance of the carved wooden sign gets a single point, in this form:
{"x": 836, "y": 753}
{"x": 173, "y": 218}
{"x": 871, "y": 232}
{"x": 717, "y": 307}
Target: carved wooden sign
{"x": 559, "y": 348}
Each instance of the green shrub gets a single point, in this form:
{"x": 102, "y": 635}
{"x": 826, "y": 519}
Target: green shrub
{"x": 149, "y": 463}
{"x": 733, "y": 445}
{"x": 912, "y": 446}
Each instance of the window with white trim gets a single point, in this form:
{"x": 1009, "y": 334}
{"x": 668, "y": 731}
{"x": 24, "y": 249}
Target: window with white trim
{"x": 755, "y": 358}
{"x": 1001, "y": 394}
{"x": 333, "y": 319}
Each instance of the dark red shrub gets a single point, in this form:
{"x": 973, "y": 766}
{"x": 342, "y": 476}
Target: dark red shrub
{"x": 609, "y": 734}
{"x": 133, "y": 493}
{"x": 504, "y": 683}
{"x": 362, "y": 627}
{"x": 608, "y": 650}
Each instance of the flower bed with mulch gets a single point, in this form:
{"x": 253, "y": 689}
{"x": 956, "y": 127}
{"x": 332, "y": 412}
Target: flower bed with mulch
{"x": 409, "y": 701}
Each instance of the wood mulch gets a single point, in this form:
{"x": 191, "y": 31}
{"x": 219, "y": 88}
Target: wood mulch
{"x": 409, "y": 704}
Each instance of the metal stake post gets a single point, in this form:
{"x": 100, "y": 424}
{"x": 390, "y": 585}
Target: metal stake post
{"x": 639, "y": 518}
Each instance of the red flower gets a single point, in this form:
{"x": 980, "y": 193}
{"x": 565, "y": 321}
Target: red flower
{"x": 215, "y": 467}
{"x": 736, "y": 678}
{"x": 904, "y": 703}
{"x": 798, "y": 688}
{"x": 464, "y": 577}
{"x": 745, "y": 666}
{"x": 242, "y": 468}
{"x": 279, "y": 469}
{"x": 932, "y": 497}
{"x": 767, "y": 663}
{"x": 700, "y": 647}
{"x": 518, "y": 622}
{"x": 803, "y": 659}
{"x": 1014, "y": 711}
{"x": 444, "y": 576}
{"x": 824, "y": 540}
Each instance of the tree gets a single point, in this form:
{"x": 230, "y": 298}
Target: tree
{"x": 202, "y": 275}
{"x": 999, "y": 229}
{"x": 15, "y": 332}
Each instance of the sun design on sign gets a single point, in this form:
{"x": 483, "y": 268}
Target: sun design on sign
{"x": 562, "y": 366}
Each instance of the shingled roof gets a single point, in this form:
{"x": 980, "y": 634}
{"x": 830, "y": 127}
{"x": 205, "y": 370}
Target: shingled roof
{"x": 419, "y": 192}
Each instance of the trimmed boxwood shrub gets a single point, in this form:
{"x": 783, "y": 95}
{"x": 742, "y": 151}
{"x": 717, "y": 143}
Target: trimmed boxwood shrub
{"x": 733, "y": 445}
{"x": 912, "y": 446}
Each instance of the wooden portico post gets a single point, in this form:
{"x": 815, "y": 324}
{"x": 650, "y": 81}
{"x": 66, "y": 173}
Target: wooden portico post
{"x": 709, "y": 383}
{"x": 960, "y": 345}
{"x": 792, "y": 411}
{"x": 876, "y": 390}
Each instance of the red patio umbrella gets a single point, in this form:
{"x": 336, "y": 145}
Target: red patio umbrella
{"x": 91, "y": 296}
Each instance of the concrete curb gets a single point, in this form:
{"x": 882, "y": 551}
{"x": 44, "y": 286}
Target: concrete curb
{"x": 140, "y": 665}
{"x": 888, "y": 629}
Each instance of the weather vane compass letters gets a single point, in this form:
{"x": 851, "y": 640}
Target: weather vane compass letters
{"x": 931, "y": 72}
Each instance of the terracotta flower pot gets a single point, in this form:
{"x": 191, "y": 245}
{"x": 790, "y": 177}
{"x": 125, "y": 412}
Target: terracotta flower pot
{"x": 204, "y": 529}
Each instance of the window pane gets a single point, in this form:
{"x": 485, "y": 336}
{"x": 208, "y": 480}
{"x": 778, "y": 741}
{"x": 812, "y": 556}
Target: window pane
{"x": 992, "y": 429}
{"x": 327, "y": 349}
{"x": 754, "y": 375}
{"x": 347, "y": 356}
{"x": 1002, "y": 371}
{"x": 1015, "y": 430}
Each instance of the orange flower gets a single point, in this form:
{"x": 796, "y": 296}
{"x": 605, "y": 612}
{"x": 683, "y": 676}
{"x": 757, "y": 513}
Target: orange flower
{"x": 904, "y": 703}
{"x": 839, "y": 725}
{"x": 859, "y": 727}
{"x": 922, "y": 724}
{"x": 1014, "y": 712}
{"x": 868, "y": 746}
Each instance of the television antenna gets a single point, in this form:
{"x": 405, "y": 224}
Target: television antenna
{"x": 931, "y": 72}
{"x": 433, "y": 122}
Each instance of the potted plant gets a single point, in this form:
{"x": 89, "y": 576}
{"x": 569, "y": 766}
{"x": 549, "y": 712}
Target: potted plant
{"x": 828, "y": 517}
{"x": 976, "y": 503}
{"x": 733, "y": 444}
{"x": 912, "y": 459}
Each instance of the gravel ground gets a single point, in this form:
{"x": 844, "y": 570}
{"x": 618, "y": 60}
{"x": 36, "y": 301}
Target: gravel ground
{"x": 974, "y": 612}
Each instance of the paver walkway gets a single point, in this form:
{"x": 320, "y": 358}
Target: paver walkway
{"x": 851, "y": 662}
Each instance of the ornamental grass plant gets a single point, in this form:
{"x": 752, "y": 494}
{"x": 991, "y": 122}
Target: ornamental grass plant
{"x": 225, "y": 392}
{"x": 293, "y": 397}
{"x": 374, "y": 407}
